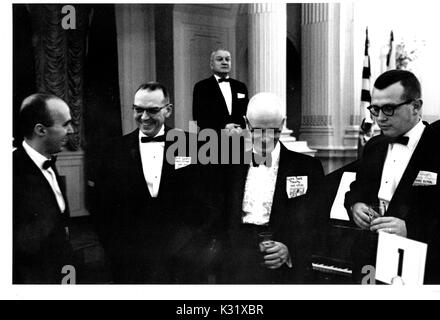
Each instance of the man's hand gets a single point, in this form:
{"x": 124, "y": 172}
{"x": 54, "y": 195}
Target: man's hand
{"x": 363, "y": 215}
{"x": 390, "y": 225}
{"x": 276, "y": 255}
{"x": 233, "y": 128}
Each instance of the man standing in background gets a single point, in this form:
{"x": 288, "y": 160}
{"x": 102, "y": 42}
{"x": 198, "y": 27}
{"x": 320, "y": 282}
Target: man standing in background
{"x": 220, "y": 102}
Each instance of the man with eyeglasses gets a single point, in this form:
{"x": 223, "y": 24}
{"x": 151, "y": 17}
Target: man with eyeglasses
{"x": 152, "y": 219}
{"x": 398, "y": 171}
{"x": 272, "y": 192}
{"x": 219, "y": 102}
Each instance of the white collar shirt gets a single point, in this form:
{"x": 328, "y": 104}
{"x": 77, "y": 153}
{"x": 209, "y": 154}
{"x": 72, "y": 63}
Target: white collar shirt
{"x": 396, "y": 161}
{"x": 225, "y": 88}
{"x": 152, "y": 154}
{"x": 259, "y": 191}
{"x": 48, "y": 173}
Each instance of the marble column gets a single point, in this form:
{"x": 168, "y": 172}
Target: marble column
{"x": 328, "y": 82}
{"x": 267, "y": 32}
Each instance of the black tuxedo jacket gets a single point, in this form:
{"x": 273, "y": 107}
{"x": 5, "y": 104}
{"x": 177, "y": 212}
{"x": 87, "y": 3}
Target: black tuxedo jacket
{"x": 151, "y": 240}
{"x": 292, "y": 220}
{"x": 209, "y": 106}
{"x": 40, "y": 239}
{"x": 417, "y": 205}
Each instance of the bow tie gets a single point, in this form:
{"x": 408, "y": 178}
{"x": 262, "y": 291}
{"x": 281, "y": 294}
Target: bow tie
{"x": 224, "y": 80}
{"x": 160, "y": 138}
{"x": 400, "y": 139}
{"x": 258, "y": 159}
{"x": 49, "y": 163}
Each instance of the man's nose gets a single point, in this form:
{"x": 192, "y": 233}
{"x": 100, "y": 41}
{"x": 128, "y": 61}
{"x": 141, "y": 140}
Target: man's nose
{"x": 145, "y": 115}
{"x": 70, "y": 129}
{"x": 381, "y": 116}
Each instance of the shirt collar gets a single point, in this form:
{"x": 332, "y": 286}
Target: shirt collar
{"x": 275, "y": 154}
{"x": 217, "y": 77}
{"x": 161, "y": 132}
{"x": 415, "y": 134}
{"x": 36, "y": 157}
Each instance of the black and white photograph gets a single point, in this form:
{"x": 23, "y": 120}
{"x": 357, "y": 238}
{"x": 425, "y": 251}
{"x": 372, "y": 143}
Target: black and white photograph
{"x": 212, "y": 150}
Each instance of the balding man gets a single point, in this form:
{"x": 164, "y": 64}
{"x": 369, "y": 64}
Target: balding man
{"x": 40, "y": 211}
{"x": 270, "y": 194}
{"x": 220, "y": 102}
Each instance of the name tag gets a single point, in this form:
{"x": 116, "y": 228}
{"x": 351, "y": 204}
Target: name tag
{"x": 240, "y": 95}
{"x": 426, "y": 178}
{"x": 180, "y": 162}
{"x": 296, "y": 186}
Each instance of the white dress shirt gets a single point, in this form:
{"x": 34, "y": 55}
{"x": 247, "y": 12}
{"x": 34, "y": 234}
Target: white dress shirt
{"x": 225, "y": 87}
{"x": 259, "y": 190}
{"x": 48, "y": 173}
{"x": 396, "y": 161}
{"x": 152, "y": 161}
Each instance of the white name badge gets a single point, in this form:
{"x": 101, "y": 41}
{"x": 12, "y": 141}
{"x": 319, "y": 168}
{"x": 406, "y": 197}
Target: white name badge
{"x": 296, "y": 186}
{"x": 426, "y": 178}
{"x": 400, "y": 260}
{"x": 180, "y": 162}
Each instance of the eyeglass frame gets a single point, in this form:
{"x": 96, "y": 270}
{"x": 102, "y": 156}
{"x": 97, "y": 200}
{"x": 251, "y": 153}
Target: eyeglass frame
{"x": 149, "y": 110}
{"x": 263, "y": 130}
{"x": 391, "y": 106}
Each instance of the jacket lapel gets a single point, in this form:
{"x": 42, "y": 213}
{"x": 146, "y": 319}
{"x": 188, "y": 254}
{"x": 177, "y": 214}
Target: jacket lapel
{"x": 417, "y": 161}
{"x": 279, "y": 203}
{"x": 36, "y": 177}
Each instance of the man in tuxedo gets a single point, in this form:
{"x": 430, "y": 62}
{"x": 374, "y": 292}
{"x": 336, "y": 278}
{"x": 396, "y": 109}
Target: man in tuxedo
{"x": 272, "y": 194}
{"x": 40, "y": 211}
{"x": 398, "y": 173}
{"x": 152, "y": 219}
{"x": 220, "y": 102}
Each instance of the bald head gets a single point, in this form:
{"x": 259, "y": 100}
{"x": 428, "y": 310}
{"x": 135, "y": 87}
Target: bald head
{"x": 265, "y": 111}
{"x": 265, "y": 120}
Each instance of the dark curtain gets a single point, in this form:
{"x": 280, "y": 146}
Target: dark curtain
{"x": 23, "y": 67}
{"x": 102, "y": 108}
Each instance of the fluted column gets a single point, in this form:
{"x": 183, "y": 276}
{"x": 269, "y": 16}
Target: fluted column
{"x": 267, "y": 48}
{"x": 328, "y": 82}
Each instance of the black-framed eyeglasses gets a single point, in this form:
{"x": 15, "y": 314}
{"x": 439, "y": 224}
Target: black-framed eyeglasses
{"x": 387, "y": 109}
{"x": 150, "y": 110}
{"x": 261, "y": 130}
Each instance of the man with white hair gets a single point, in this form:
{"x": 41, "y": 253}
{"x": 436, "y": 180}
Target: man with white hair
{"x": 270, "y": 194}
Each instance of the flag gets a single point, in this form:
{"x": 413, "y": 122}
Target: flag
{"x": 366, "y": 127}
{"x": 366, "y": 75}
{"x": 391, "y": 56}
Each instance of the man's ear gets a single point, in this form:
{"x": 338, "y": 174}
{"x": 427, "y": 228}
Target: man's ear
{"x": 40, "y": 130}
{"x": 418, "y": 104}
{"x": 168, "y": 110}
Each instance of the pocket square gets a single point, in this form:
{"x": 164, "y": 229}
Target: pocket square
{"x": 240, "y": 95}
{"x": 426, "y": 178}
{"x": 181, "y": 162}
{"x": 296, "y": 186}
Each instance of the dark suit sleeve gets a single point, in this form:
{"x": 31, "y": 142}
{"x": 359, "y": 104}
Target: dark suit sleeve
{"x": 202, "y": 112}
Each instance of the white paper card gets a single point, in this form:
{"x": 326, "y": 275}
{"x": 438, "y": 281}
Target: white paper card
{"x": 180, "y": 162}
{"x": 398, "y": 256}
{"x": 426, "y": 178}
{"x": 338, "y": 210}
{"x": 296, "y": 186}
{"x": 240, "y": 95}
